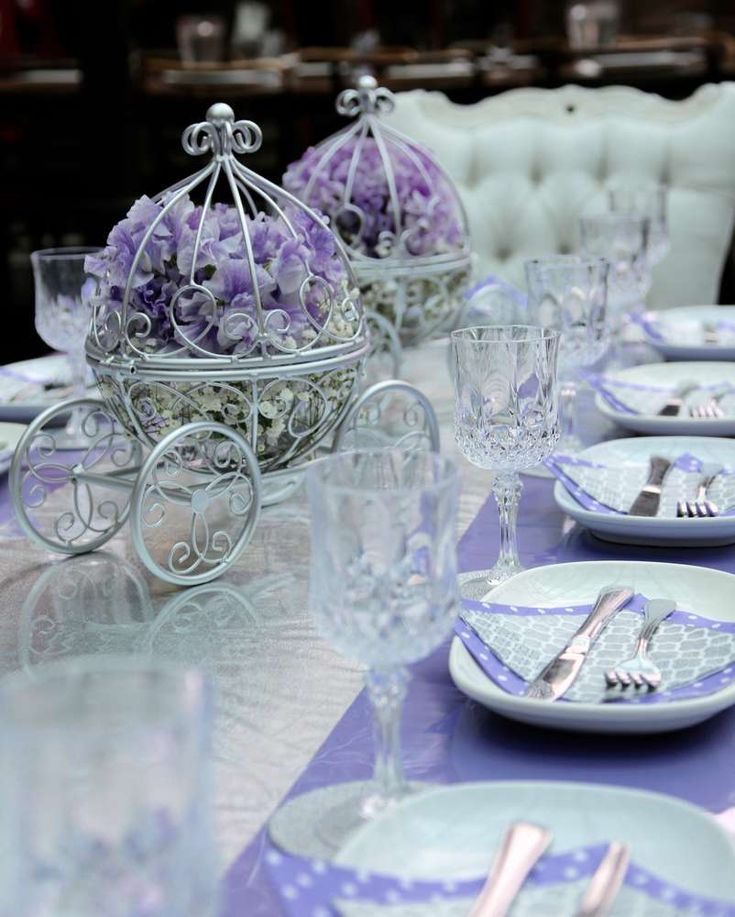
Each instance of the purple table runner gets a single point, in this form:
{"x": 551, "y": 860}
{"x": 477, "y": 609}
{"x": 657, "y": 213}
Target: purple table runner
{"x": 448, "y": 738}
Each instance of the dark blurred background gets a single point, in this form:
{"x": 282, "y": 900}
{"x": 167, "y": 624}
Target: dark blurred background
{"x": 94, "y": 93}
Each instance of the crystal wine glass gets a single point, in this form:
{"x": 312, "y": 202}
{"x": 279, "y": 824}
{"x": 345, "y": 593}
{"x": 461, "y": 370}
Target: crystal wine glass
{"x": 63, "y": 313}
{"x": 506, "y": 419}
{"x": 383, "y": 591}
{"x": 648, "y": 200}
{"x": 104, "y": 790}
{"x": 569, "y": 293}
{"x": 621, "y": 238}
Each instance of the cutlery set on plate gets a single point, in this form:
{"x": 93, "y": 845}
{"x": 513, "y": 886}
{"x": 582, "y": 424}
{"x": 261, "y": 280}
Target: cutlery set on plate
{"x": 694, "y": 398}
{"x": 522, "y": 847}
{"x": 649, "y": 499}
{"x": 640, "y": 671}
{"x": 709, "y": 409}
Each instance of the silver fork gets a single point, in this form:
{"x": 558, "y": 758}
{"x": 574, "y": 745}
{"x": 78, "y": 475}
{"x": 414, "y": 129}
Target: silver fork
{"x": 709, "y": 409}
{"x": 640, "y": 670}
{"x": 701, "y": 507}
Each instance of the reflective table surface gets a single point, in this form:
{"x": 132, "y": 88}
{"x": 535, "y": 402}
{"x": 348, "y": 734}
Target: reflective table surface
{"x": 280, "y": 688}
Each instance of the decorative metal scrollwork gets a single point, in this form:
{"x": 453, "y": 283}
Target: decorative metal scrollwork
{"x": 73, "y": 501}
{"x": 195, "y": 503}
{"x": 395, "y": 209}
{"x": 390, "y": 414}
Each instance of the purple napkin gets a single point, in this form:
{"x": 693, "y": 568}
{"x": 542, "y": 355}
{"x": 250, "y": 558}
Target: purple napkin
{"x": 512, "y": 683}
{"x": 308, "y": 887}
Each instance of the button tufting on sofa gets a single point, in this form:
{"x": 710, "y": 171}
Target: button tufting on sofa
{"x": 530, "y": 160}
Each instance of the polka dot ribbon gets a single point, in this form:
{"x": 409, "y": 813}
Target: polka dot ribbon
{"x": 309, "y": 887}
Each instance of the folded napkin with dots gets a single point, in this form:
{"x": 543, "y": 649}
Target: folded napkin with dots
{"x": 612, "y": 489}
{"x": 555, "y": 886}
{"x": 637, "y": 398}
{"x": 512, "y": 644}
{"x": 690, "y": 331}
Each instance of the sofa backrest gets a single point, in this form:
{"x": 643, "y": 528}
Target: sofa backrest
{"x": 527, "y": 162}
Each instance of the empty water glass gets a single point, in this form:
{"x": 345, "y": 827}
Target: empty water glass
{"x": 384, "y": 592}
{"x": 647, "y": 200}
{"x": 63, "y": 294}
{"x": 506, "y": 419}
{"x": 569, "y": 293}
{"x": 104, "y": 791}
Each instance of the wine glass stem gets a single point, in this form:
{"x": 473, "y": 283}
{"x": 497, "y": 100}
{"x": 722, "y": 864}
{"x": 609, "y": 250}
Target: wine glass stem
{"x": 507, "y": 488}
{"x": 387, "y": 690}
{"x": 78, "y": 372}
{"x": 568, "y": 393}
{"x": 78, "y": 369}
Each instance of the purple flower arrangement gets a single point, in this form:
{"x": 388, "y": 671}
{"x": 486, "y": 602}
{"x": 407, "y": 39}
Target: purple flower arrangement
{"x": 300, "y": 276}
{"x": 351, "y": 186}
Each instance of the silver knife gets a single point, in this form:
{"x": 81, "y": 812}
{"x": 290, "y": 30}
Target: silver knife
{"x": 676, "y": 399}
{"x": 605, "y": 883}
{"x": 559, "y": 675}
{"x": 648, "y": 500}
{"x": 523, "y": 845}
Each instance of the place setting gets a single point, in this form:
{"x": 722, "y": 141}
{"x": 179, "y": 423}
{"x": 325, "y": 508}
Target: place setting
{"x": 686, "y": 398}
{"x": 651, "y": 490}
{"x": 691, "y": 332}
{"x": 653, "y": 654}
{"x": 493, "y": 848}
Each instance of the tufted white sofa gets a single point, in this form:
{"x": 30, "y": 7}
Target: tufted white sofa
{"x": 529, "y": 161}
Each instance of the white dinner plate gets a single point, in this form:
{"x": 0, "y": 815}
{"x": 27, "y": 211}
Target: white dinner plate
{"x": 625, "y": 529}
{"x": 22, "y": 387}
{"x": 452, "y": 833}
{"x": 710, "y": 593}
{"x": 670, "y": 375}
{"x": 680, "y": 322}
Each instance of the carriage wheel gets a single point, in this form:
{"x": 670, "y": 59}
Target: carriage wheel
{"x": 195, "y": 503}
{"x": 73, "y": 501}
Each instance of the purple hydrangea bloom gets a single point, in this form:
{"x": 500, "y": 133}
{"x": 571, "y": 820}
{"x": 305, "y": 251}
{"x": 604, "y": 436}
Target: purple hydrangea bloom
{"x": 350, "y": 185}
{"x": 221, "y": 303}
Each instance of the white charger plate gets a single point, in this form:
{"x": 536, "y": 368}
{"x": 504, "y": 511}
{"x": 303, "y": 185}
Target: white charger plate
{"x": 24, "y": 408}
{"x": 710, "y": 593}
{"x": 451, "y": 833}
{"x": 625, "y": 529}
{"x": 671, "y": 374}
{"x": 686, "y": 314}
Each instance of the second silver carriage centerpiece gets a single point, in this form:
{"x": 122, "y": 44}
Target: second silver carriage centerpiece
{"x": 396, "y": 210}
{"x": 226, "y": 338}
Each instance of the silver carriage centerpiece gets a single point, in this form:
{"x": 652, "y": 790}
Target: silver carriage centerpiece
{"x": 227, "y": 340}
{"x": 397, "y": 212}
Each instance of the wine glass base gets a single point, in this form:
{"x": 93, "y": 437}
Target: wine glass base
{"x": 476, "y": 584}
{"x": 318, "y": 823}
